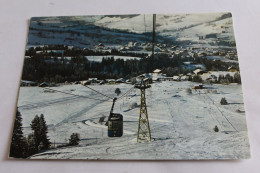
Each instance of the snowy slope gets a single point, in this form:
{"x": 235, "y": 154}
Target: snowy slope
{"x": 171, "y": 22}
{"x": 76, "y": 31}
{"x": 179, "y": 26}
{"x": 139, "y": 24}
{"x": 86, "y": 31}
{"x": 181, "y": 124}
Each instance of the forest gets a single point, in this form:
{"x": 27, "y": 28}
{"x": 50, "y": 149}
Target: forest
{"x": 56, "y": 67}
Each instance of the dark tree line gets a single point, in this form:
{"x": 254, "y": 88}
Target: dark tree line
{"x": 77, "y": 52}
{"x": 22, "y": 147}
{"x": 229, "y": 79}
{"x": 41, "y": 68}
{"x": 37, "y": 141}
{"x": 216, "y": 65}
{"x": 46, "y": 66}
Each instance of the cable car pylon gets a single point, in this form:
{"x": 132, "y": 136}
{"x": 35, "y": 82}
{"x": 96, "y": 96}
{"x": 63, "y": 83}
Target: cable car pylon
{"x": 143, "y": 131}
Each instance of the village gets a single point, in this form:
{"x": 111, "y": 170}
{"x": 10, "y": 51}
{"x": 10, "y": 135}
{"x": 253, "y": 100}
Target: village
{"x": 188, "y": 57}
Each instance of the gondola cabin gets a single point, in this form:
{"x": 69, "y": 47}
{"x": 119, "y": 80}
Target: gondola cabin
{"x": 115, "y": 125}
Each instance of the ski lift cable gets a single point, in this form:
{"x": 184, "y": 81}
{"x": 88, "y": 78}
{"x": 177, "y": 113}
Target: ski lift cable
{"x": 92, "y": 88}
{"x": 218, "y": 110}
{"x": 98, "y": 92}
{"x": 130, "y": 90}
{"x": 126, "y": 93}
{"x": 73, "y": 94}
{"x": 121, "y": 97}
{"x": 213, "y": 117}
{"x": 222, "y": 113}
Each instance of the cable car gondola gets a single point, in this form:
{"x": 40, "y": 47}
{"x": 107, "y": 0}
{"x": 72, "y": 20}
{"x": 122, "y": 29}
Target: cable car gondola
{"x": 115, "y": 123}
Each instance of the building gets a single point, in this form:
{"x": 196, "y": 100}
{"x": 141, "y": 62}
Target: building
{"x": 199, "y": 72}
{"x": 176, "y": 78}
{"x": 157, "y": 71}
{"x": 167, "y": 79}
{"x": 93, "y": 80}
{"x": 27, "y": 83}
{"x": 44, "y": 84}
{"x": 111, "y": 81}
{"x": 121, "y": 80}
{"x": 232, "y": 69}
{"x": 184, "y": 78}
{"x": 87, "y": 82}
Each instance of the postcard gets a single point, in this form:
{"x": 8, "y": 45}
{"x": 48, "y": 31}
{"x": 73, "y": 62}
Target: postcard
{"x": 131, "y": 87}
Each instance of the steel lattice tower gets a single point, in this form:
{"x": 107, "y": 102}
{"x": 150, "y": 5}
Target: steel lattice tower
{"x": 143, "y": 132}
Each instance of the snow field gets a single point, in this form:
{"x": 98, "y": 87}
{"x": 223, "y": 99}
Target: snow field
{"x": 181, "y": 124}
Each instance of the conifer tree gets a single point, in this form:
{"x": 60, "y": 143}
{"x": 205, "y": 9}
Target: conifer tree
{"x": 45, "y": 142}
{"x": 40, "y": 131}
{"x": 35, "y": 125}
{"x": 31, "y": 145}
{"x": 74, "y": 139}
{"x": 118, "y": 91}
{"x": 223, "y": 101}
{"x": 216, "y": 129}
{"x": 18, "y": 144}
{"x": 237, "y": 78}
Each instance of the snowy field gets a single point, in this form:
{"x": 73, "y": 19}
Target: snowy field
{"x": 181, "y": 123}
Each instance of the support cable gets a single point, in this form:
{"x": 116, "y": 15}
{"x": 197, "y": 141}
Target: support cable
{"x": 221, "y": 112}
{"x": 212, "y": 116}
{"x": 98, "y": 92}
{"x": 126, "y": 93}
{"x": 74, "y": 94}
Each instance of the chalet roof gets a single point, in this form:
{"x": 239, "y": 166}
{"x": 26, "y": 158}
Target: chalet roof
{"x": 176, "y": 77}
{"x": 231, "y": 67}
{"x": 157, "y": 71}
{"x": 43, "y": 84}
{"x": 27, "y": 82}
{"x": 184, "y": 77}
{"x": 197, "y": 71}
{"x": 120, "y": 80}
{"x": 92, "y": 78}
{"x": 111, "y": 80}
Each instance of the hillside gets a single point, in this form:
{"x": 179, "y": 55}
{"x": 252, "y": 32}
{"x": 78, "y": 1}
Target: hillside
{"x": 181, "y": 124}
{"x": 86, "y": 31}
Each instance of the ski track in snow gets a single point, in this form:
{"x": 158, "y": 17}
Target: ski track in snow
{"x": 49, "y": 103}
{"x": 80, "y": 113}
{"x": 181, "y": 124}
